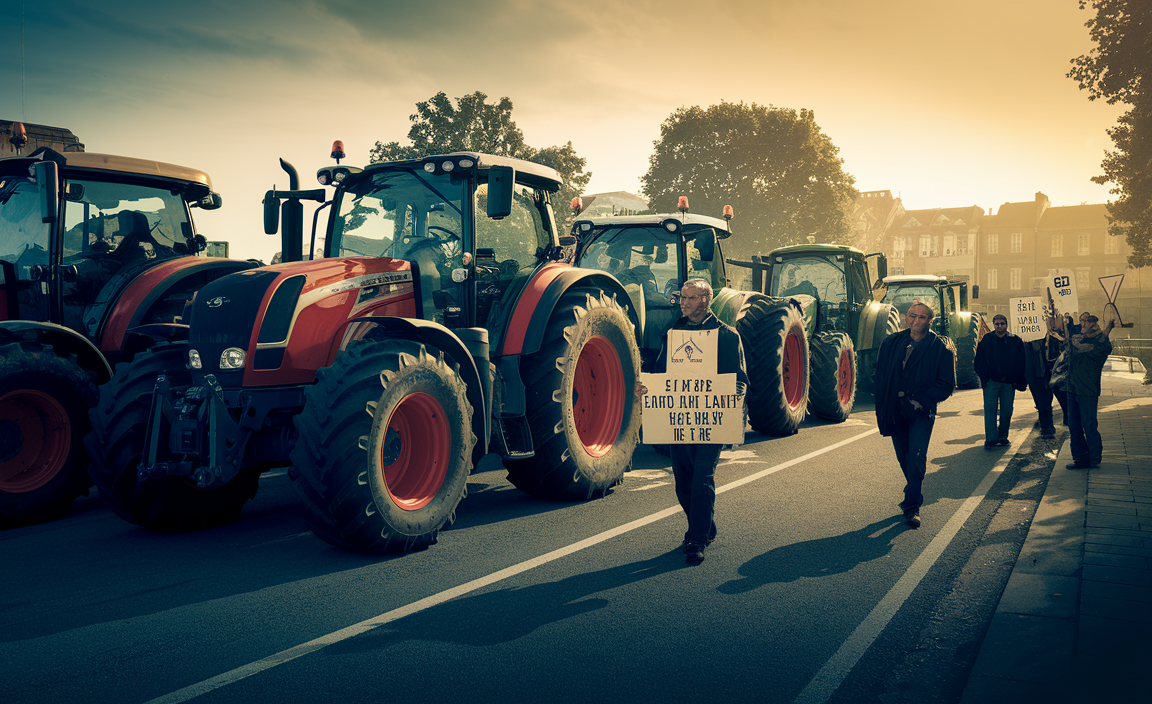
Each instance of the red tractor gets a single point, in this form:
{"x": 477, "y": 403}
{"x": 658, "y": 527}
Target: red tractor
{"x": 443, "y": 323}
{"x": 94, "y": 250}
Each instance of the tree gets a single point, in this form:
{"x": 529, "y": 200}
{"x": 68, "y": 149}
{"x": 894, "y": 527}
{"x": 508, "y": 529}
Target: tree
{"x": 475, "y": 125}
{"x": 774, "y": 166}
{"x": 1119, "y": 70}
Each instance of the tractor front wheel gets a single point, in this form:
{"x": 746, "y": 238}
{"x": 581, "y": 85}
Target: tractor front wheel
{"x": 833, "y": 376}
{"x": 44, "y": 401}
{"x": 385, "y": 447}
{"x": 581, "y": 400}
{"x": 776, "y": 358}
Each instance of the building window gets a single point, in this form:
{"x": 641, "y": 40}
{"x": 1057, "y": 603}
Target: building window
{"x": 936, "y": 246}
{"x": 1111, "y": 245}
{"x": 993, "y": 243}
{"x": 1082, "y": 248}
{"x": 1014, "y": 279}
{"x": 949, "y": 245}
{"x": 925, "y": 246}
{"x": 1017, "y": 242}
{"x": 1057, "y": 245}
{"x": 1082, "y": 278}
{"x": 991, "y": 279}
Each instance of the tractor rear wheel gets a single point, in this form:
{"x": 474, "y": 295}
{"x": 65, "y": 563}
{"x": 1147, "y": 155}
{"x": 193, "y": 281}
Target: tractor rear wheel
{"x": 966, "y": 377}
{"x": 116, "y": 443}
{"x": 833, "y": 391}
{"x": 581, "y": 400}
{"x": 44, "y": 401}
{"x": 776, "y": 358}
{"x": 384, "y": 448}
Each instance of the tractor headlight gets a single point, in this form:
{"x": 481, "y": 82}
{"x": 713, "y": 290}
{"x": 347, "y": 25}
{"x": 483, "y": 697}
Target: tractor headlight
{"x": 232, "y": 358}
{"x": 194, "y": 360}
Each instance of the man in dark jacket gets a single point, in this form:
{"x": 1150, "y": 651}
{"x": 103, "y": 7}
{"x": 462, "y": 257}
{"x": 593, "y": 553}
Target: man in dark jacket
{"x": 1000, "y": 365}
{"x": 694, "y": 465}
{"x": 1087, "y": 352}
{"x": 915, "y": 371}
{"x": 1039, "y": 355}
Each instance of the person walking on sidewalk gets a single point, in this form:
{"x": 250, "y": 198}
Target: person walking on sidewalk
{"x": 1000, "y": 365}
{"x": 694, "y": 465}
{"x": 1087, "y": 352}
{"x": 915, "y": 371}
{"x": 1039, "y": 356}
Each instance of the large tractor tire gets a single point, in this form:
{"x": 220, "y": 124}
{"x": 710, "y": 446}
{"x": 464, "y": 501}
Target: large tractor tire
{"x": 384, "y": 447}
{"x": 966, "y": 377}
{"x": 44, "y": 402}
{"x": 116, "y": 443}
{"x": 866, "y": 359}
{"x": 776, "y": 358}
{"x": 581, "y": 400}
{"x": 833, "y": 391}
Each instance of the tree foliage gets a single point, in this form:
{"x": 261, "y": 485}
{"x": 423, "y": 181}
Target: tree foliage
{"x": 774, "y": 166}
{"x": 1119, "y": 70}
{"x": 475, "y": 125}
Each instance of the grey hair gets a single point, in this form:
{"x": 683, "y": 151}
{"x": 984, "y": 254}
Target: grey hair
{"x": 701, "y": 285}
{"x": 931, "y": 311}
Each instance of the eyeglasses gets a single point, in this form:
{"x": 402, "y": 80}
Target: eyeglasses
{"x": 676, "y": 298}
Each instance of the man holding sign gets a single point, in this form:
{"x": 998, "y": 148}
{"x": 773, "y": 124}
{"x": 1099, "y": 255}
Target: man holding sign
{"x": 694, "y": 463}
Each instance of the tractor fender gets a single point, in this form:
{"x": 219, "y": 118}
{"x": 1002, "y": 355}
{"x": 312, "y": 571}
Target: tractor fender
{"x": 436, "y": 335}
{"x": 873, "y": 329}
{"x": 729, "y": 304}
{"x": 133, "y": 302}
{"x": 65, "y": 340}
{"x": 524, "y": 331}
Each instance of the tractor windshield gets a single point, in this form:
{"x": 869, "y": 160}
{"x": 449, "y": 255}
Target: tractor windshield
{"x": 812, "y": 275}
{"x": 23, "y": 237}
{"x": 127, "y": 222}
{"x": 401, "y": 214}
{"x": 902, "y": 297}
{"x": 643, "y": 256}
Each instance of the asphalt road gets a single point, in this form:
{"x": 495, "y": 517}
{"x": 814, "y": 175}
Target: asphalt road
{"x": 814, "y": 590}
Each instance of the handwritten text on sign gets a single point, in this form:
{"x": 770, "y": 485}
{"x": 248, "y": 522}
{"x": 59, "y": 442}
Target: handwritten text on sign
{"x": 1027, "y": 318}
{"x": 692, "y": 403}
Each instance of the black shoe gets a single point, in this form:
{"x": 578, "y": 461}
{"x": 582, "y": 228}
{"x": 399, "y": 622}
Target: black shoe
{"x": 990, "y": 443}
{"x": 912, "y": 518}
{"x": 1002, "y": 442}
{"x": 693, "y": 553}
{"x": 1048, "y": 433}
{"x": 1078, "y": 465}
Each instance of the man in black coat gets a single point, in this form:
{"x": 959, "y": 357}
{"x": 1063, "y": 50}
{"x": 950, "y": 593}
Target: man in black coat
{"x": 1000, "y": 365}
{"x": 915, "y": 371}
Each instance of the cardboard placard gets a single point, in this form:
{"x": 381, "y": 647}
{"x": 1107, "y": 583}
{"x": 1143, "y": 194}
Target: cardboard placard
{"x": 692, "y": 403}
{"x": 1026, "y": 318}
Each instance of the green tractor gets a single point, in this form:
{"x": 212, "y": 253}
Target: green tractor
{"x": 653, "y": 255}
{"x": 953, "y": 321}
{"x": 845, "y": 325}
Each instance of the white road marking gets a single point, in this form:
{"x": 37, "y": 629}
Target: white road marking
{"x": 821, "y": 687}
{"x": 214, "y": 683}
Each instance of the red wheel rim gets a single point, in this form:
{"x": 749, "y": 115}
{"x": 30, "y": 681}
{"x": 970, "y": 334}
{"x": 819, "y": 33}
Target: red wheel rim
{"x": 793, "y": 371}
{"x": 414, "y": 478}
{"x": 598, "y": 396}
{"x": 35, "y": 439}
{"x": 844, "y": 378}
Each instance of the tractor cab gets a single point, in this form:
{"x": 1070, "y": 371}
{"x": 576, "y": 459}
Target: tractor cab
{"x": 653, "y": 255}
{"x": 836, "y": 276}
{"x": 76, "y": 229}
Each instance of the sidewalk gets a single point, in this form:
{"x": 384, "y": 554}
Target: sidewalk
{"x": 1074, "y": 623}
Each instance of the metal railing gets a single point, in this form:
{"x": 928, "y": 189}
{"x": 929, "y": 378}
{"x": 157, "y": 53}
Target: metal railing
{"x": 1138, "y": 348}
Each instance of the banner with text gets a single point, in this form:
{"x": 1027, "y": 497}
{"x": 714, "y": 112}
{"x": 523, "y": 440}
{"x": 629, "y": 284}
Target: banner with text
{"x": 1026, "y": 318}
{"x": 1061, "y": 284}
{"x": 692, "y": 403}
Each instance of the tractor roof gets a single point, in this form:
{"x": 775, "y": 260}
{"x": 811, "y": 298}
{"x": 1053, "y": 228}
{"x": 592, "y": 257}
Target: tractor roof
{"x": 531, "y": 173}
{"x": 656, "y": 220}
{"x": 816, "y": 248}
{"x": 115, "y": 164}
{"x": 914, "y": 279}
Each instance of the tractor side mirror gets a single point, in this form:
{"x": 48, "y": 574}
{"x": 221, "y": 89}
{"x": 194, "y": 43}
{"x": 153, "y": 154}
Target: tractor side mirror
{"x": 212, "y": 201}
{"x": 47, "y": 189}
{"x": 975, "y": 291}
{"x": 271, "y": 213}
{"x": 500, "y": 187}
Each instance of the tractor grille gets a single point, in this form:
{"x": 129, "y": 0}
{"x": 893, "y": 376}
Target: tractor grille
{"x": 224, "y": 314}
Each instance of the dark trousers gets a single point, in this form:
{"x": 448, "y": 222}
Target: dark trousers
{"x": 1083, "y": 429}
{"x": 1062, "y": 398}
{"x": 694, "y": 467}
{"x": 911, "y": 443}
{"x": 997, "y": 394}
{"x": 1042, "y": 395}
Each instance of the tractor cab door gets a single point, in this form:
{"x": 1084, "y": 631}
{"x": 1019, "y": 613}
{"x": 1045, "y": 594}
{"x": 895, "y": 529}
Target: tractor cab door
{"x": 25, "y": 250}
{"x": 858, "y": 287}
{"x": 509, "y": 248}
{"x": 951, "y": 311}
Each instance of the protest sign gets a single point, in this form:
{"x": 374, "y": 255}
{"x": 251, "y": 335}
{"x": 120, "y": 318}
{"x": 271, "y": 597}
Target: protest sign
{"x": 692, "y": 403}
{"x": 1061, "y": 283}
{"x": 1026, "y": 318}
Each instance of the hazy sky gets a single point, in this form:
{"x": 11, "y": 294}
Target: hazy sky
{"x": 944, "y": 102}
